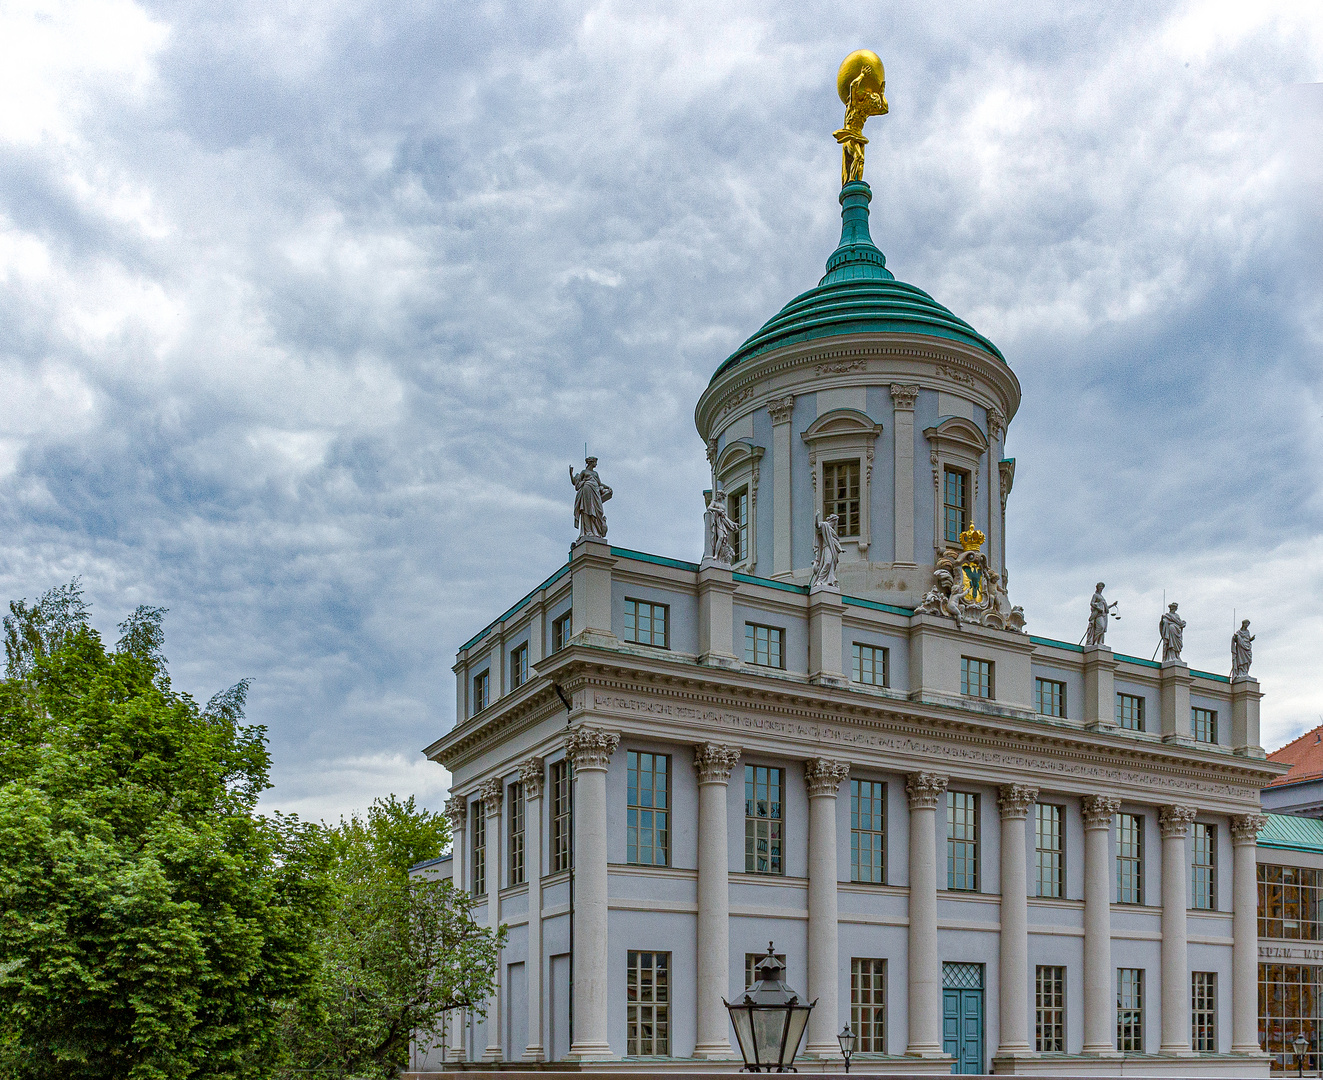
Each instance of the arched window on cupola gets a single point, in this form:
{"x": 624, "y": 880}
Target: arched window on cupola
{"x": 841, "y": 444}
{"x": 737, "y": 468}
{"x": 956, "y": 448}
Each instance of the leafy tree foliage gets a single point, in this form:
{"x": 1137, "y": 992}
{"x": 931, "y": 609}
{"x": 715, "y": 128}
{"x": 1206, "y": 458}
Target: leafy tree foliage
{"x": 149, "y": 917}
{"x": 397, "y": 950}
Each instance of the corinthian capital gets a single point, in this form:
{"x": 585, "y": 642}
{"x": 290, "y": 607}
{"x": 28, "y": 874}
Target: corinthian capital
{"x": 530, "y": 775}
{"x": 1245, "y": 828}
{"x": 1014, "y": 800}
{"x": 1099, "y": 810}
{"x": 781, "y": 408}
{"x": 824, "y": 776}
{"x": 903, "y": 394}
{"x": 457, "y": 809}
{"x": 493, "y": 793}
{"x": 590, "y": 747}
{"x": 924, "y": 790}
{"x": 713, "y": 762}
{"x": 1175, "y": 820}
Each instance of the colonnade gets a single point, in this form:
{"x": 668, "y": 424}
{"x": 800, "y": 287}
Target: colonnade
{"x": 590, "y": 750}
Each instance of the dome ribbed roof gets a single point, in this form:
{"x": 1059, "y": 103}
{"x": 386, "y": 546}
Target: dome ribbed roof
{"x": 858, "y": 295}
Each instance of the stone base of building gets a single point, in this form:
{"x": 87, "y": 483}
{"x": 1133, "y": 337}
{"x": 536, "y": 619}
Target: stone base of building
{"x": 1154, "y": 1065}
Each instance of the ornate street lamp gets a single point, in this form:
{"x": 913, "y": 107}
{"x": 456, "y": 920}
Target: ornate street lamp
{"x": 1301, "y": 1044}
{"x": 769, "y": 1020}
{"x": 846, "y": 1039}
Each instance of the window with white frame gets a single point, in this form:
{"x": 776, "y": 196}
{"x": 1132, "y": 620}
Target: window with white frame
{"x": 840, "y": 495}
{"x": 962, "y": 841}
{"x": 1203, "y": 723}
{"x": 647, "y": 832}
{"x": 560, "y": 816}
{"x": 1051, "y": 696}
{"x": 478, "y": 849}
{"x": 646, "y": 623}
{"x": 764, "y": 646}
{"x": 764, "y": 819}
{"x": 737, "y": 505}
{"x": 976, "y": 677}
{"x": 648, "y": 1004}
{"x": 1203, "y": 1012}
{"x": 482, "y": 687}
{"x": 1203, "y": 867}
{"x": 868, "y": 831}
{"x": 870, "y": 664}
{"x": 1130, "y": 712}
{"x": 516, "y": 836}
{"x": 561, "y": 631}
{"x": 519, "y": 666}
{"x": 1050, "y": 1009}
{"x": 1129, "y": 859}
{"x": 1050, "y": 849}
{"x": 868, "y": 1004}
{"x": 955, "y": 504}
{"x": 1130, "y": 1010}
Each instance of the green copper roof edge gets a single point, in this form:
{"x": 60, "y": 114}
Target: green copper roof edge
{"x": 501, "y": 618}
{"x": 1052, "y": 643}
{"x": 660, "y": 560}
{"x": 784, "y": 586}
{"x": 859, "y": 601}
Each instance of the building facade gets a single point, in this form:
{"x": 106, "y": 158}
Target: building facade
{"x": 980, "y": 848}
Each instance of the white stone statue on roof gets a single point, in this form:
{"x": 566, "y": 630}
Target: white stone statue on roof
{"x": 827, "y": 550}
{"x": 1242, "y": 652}
{"x": 590, "y": 494}
{"x": 1171, "y": 628}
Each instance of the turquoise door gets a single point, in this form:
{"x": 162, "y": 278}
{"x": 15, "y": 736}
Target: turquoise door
{"x": 962, "y": 1016}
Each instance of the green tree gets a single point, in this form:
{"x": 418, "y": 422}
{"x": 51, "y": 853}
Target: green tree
{"x": 397, "y": 950}
{"x": 150, "y": 920}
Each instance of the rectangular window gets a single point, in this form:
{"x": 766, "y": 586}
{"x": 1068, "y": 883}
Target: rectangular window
{"x": 962, "y": 841}
{"x": 516, "y": 839}
{"x": 738, "y": 507}
{"x": 1289, "y": 903}
{"x": 840, "y": 495}
{"x": 478, "y": 849}
{"x": 1203, "y": 869}
{"x": 1050, "y": 1010}
{"x": 764, "y": 645}
{"x": 645, "y": 623}
{"x": 1203, "y": 1012}
{"x": 1051, "y": 697}
{"x": 561, "y": 631}
{"x": 1130, "y": 1010}
{"x": 1130, "y": 712}
{"x": 481, "y": 691}
{"x": 868, "y": 1005}
{"x": 1203, "y": 722}
{"x": 870, "y": 665}
{"x": 648, "y": 990}
{"x": 976, "y": 677}
{"x": 751, "y": 961}
{"x": 519, "y": 666}
{"x": 955, "y": 504}
{"x": 1050, "y": 850}
{"x": 1129, "y": 859}
{"x": 763, "y": 822}
{"x": 867, "y": 832}
{"x": 560, "y": 816}
{"x": 647, "y": 830}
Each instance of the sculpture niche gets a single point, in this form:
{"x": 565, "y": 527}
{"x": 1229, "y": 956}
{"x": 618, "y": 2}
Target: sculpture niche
{"x": 589, "y": 495}
{"x": 966, "y": 588}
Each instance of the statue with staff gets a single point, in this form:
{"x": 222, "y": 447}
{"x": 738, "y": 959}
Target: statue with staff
{"x": 1242, "y": 652}
{"x": 590, "y": 494}
{"x": 861, "y": 82}
{"x": 1171, "y": 629}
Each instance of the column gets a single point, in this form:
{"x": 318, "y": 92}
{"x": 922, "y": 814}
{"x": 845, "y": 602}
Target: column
{"x": 824, "y": 778}
{"x": 457, "y": 807}
{"x": 781, "y": 410}
{"x": 925, "y": 969}
{"x": 1245, "y": 935}
{"x": 531, "y": 773}
{"x": 1175, "y": 821}
{"x": 590, "y": 751}
{"x": 713, "y": 763}
{"x": 493, "y": 795}
{"x": 902, "y": 397}
{"x": 1014, "y": 801}
{"x": 1099, "y": 1006}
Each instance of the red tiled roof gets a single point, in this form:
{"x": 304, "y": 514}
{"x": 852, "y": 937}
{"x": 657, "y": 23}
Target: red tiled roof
{"x": 1304, "y": 755}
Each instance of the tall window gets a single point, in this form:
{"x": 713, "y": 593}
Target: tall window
{"x": 867, "y": 835}
{"x": 764, "y": 645}
{"x": 1203, "y": 868}
{"x": 479, "y": 849}
{"x": 561, "y": 631}
{"x": 737, "y": 506}
{"x": 751, "y": 961}
{"x": 962, "y": 841}
{"x": 868, "y": 1005}
{"x": 647, "y": 834}
{"x": 1050, "y": 1010}
{"x": 482, "y": 684}
{"x": 1129, "y": 859}
{"x": 955, "y": 504}
{"x": 1130, "y": 712}
{"x": 1049, "y": 850}
{"x": 1203, "y": 1012}
{"x": 870, "y": 665}
{"x": 519, "y": 666}
{"x": 645, "y": 623}
{"x": 840, "y": 495}
{"x": 1203, "y": 722}
{"x": 1051, "y": 697}
{"x": 976, "y": 677}
{"x": 560, "y": 815}
{"x": 763, "y": 822}
{"x": 1130, "y": 1010}
{"x": 648, "y": 990}
{"x": 516, "y": 840}
{"x": 1289, "y": 902}
{"x": 1288, "y": 996}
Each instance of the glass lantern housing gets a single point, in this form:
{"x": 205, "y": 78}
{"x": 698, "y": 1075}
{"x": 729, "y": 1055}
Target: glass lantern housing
{"x": 769, "y": 1019}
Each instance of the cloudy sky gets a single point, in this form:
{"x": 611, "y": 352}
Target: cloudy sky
{"x": 305, "y": 307}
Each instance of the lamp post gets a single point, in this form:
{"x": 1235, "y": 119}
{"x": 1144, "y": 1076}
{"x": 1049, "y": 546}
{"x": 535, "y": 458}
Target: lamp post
{"x": 846, "y": 1039}
{"x": 1301, "y": 1044}
{"x": 769, "y": 1019}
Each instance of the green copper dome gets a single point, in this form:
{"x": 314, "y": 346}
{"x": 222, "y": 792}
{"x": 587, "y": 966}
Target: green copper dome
{"x": 858, "y": 295}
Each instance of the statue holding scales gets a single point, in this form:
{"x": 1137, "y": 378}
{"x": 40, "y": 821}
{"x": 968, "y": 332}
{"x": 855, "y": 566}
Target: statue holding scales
{"x": 861, "y": 83}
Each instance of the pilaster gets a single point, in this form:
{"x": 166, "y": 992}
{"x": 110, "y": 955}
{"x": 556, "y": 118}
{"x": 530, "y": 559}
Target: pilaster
{"x": 1245, "y": 697}
{"x": 716, "y": 615}
{"x": 591, "y": 563}
{"x": 781, "y": 410}
{"x": 1099, "y": 688}
{"x": 825, "y": 638}
{"x": 1176, "y": 679}
{"x": 902, "y": 398}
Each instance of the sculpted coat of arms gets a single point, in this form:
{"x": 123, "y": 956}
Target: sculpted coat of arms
{"x": 966, "y": 588}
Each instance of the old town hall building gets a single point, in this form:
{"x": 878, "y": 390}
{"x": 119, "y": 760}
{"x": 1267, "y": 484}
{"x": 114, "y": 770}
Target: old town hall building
{"x": 982, "y": 849}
